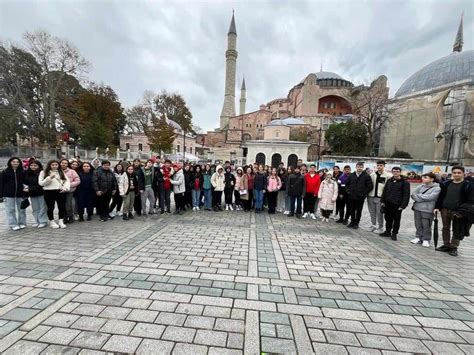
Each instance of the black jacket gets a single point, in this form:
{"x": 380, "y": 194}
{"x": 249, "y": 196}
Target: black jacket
{"x": 466, "y": 190}
{"x": 140, "y": 178}
{"x": 283, "y": 179}
{"x": 188, "y": 180}
{"x": 11, "y": 181}
{"x": 295, "y": 185}
{"x": 193, "y": 179}
{"x": 31, "y": 179}
{"x": 260, "y": 181}
{"x": 104, "y": 180}
{"x": 229, "y": 180}
{"x": 358, "y": 187}
{"x": 396, "y": 192}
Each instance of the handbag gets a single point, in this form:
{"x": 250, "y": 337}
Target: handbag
{"x": 25, "y": 204}
{"x": 243, "y": 192}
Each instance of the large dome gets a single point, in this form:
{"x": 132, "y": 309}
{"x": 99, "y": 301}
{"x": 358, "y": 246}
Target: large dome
{"x": 327, "y": 75}
{"x": 456, "y": 68}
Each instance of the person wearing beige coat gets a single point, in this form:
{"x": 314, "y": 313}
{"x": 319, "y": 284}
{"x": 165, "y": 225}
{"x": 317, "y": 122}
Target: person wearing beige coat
{"x": 327, "y": 196}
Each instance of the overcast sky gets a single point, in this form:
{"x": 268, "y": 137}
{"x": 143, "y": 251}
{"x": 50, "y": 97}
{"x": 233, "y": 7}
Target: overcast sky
{"x": 179, "y": 46}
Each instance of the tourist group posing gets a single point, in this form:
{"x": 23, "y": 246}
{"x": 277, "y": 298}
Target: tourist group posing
{"x": 76, "y": 188}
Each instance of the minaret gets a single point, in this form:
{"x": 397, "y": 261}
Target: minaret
{"x": 228, "y": 109}
{"x": 458, "y": 42}
{"x": 243, "y": 98}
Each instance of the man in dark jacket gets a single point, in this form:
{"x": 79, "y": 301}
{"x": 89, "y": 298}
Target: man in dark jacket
{"x": 104, "y": 184}
{"x": 358, "y": 186}
{"x": 137, "y": 168}
{"x": 341, "y": 202}
{"x": 395, "y": 198}
{"x": 295, "y": 189}
{"x": 11, "y": 190}
{"x": 454, "y": 193}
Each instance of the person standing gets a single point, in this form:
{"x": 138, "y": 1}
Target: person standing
{"x": 188, "y": 172}
{"x": 327, "y": 195}
{"x": 312, "y": 183}
{"x": 281, "y": 198}
{"x": 128, "y": 186}
{"x": 296, "y": 189}
{"x": 379, "y": 178}
{"x": 207, "y": 187}
{"x": 217, "y": 182}
{"x": 35, "y": 192}
{"x": 179, "y": 188}
{"x": 342, "y": 208}
{"x": 239, "y": 173}
{"x": 137, "y": 204}
{"x": 74, "y": 181}
{"x": 148, "y": 193}
{"x": 358, "y": 186}
{"x": 260, "y": 184}
{"x": 229, "y": 181}
{"x": 117, "y": 199}
{"x": 197, "y": 182}
{"x": 104, "y": 184}
{"x": 163, "y": 181}
{"x": 85, "y": 191}
{"x": 273, "y": 187}
{"x": 425, "y": 197}
{"x": 54, "y": 183}
{"x": 11, "y": 190}
{"x": 454, "y": 193}
{"x": 395, "y": 198}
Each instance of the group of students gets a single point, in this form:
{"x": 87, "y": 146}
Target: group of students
{"x": 75, "y": 188}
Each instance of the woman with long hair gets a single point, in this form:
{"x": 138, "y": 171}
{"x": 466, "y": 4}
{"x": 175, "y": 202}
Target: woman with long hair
{"x": 238, "y": 181}
{"x": 74, "y": 181}
{"x": 85, "y": 193}
{"x": 197, "y": 181}
{"x": 55, "y": 183}
{"x": 207, "y": 187}
{"x": 273, "y": 186}
{"x": 288, "y": 197}
{"x": 128, "y": 187}
{"x": 281, "y": 198}
{"x": 11, "y": 190}
{"x": 35, "y": 192}
{"x": 247, "y": 188}
{"x": 117, "y": 199}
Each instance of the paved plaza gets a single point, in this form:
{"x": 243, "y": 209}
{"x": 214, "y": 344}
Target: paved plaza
{"x": 231, "y": 283}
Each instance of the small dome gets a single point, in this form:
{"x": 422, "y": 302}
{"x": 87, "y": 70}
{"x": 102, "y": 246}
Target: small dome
{"x": 174, "y": 124}
{"x": 458, "y": 67}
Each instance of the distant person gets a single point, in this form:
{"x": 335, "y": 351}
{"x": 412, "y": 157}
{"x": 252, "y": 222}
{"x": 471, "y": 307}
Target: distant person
{"x": 11, "y": 190}
{"x": 327, "y": 194}
{"x": 295, "y": 187}
{"x": 379, "y": 178}
{"x": 342, "y": 208}
{"x": 104, "y": 184}
{"x": 312, "y": 183}
{"x": 358, "y": 187}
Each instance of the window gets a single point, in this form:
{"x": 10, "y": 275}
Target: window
{"x": 333, "y": 105}
{"x": 127, "y": 146}
{"x": 326, "y": 105}
{"x": 178, "y": 148}
{"x": 191, "y": 150}
{"x": 140, "y": 146}
{"x": 185, "y": 149}
{"x": 277, "y": 134}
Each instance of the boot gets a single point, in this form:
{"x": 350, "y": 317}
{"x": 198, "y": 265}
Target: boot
{"x": 125, "y": 217}
{"x": 130, "y": 216}
{"x": 71, "y": 220}
{"x": 61, "y": 224}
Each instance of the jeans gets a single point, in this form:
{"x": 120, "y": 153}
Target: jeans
{"x": 281, "y": 200}
{"x": 258, "y": 199}
{"x": 69, "y": 204}
{"x": 196, "y": 194}
{"x": 38, "y": 205}
{"x": 207, "y": 199}
{"x": 12, "y": 206}
{"x": 288, "y": 203}
{"x": 296, "y": 199}
{"x": 148, "y": 194}
{"x": 373, "y": 203}
{"x": 165, "y": 200}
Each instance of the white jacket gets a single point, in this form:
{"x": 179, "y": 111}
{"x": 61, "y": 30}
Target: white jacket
{"x": 373, "y": 176}
{"x": 218, "y": 180}
{"x": 54, "y": 183}
{"x": 179, "y": 185}
{"x": 327, "y": 194}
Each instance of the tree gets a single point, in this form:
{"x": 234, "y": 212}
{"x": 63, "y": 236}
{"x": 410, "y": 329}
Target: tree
{"x": 372, "y": 108}
{"x": 9, "y": 124}
{"x": 174, "y": 107}
{"x": 348, "y": 138}
{"x": 160, "y": 135}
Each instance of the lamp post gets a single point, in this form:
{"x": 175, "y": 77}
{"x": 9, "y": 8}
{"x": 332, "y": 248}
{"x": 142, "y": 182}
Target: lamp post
{"x": 452, "y": 133}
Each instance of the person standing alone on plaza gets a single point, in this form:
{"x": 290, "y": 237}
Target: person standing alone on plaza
{"x": 454, "y": 193}
{"x": 395, "y": 198}
{"x": 312, "y": 183}
{"x": 379, "y": 179}
{"x": 425, "y": 197}
{"x": 358, "y": 186}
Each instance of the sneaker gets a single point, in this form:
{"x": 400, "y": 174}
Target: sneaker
{"x": 22, "y": 226}
{"x": 417, "y": 241}
{"x": 42, "y": 225}
{"x": 226, "y": 207}
{"x": 231, "y": 208}
{"x": 453, "y": 252}
{"x": 327, "y": 220}
{"x": 378, "y": 231}
{"x": 35, "y": 225}
{"x": 120, "y": 214}
{"x": 426, "y": 243}
{"x": 53, "y": 225}
{"x": 61, "y": 224}
{"x": 305, "y": 215}
{"x": 130, "y": 216}
{"x": 15, "y": 228}
{"x": 340, "y": 221}
{"x": 443, "y": 248}
{"x": 372, "y": 228}
{"x": 286, "y": 212}
{"x": 313, "y": 216}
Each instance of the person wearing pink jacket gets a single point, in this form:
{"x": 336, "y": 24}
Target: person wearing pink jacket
{"x": 327, "y": 195}
{"x": 273, "y": 186}
{"x": 74, "y": 182}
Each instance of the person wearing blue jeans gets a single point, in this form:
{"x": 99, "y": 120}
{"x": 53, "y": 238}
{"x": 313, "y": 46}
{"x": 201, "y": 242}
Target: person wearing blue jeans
{"x": 260, "y": 184}
{"x": 207, "y": 187}
{"x": 196, "y": 181}
{"x": 11, "y": 190}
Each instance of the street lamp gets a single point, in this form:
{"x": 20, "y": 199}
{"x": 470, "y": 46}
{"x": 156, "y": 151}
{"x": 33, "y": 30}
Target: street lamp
{"x": 452, "y": 133}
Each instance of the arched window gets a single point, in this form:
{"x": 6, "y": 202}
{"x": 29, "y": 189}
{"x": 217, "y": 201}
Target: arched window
{"x": 292, "y": 160}
{"x": 260, "y": 158}
{"x": 127, "y": 146}
{"x": 277, "y": 135}
{"x": 140, "y": 146}
{"x": 276, "y": 160}
{"x": 246, "y": 137}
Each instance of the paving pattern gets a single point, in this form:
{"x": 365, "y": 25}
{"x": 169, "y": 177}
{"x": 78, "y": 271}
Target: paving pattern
{"x": 231, "y": 283}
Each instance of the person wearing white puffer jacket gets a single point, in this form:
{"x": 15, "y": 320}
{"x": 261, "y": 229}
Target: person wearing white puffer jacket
{"x": 218, "y": 182}
{"x": 179, "y": 188}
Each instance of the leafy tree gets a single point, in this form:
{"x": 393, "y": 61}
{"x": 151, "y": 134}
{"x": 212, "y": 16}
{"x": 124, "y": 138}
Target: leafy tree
{"x": 348, "y": 138}
{"x": 9, "y": 124}
{"x": 95, "y": 133}
{"x": 174, "y": 107}
{"x": 160, "y": 135}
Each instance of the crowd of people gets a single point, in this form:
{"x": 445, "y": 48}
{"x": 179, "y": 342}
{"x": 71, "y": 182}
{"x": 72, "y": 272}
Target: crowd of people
{"x": 74, "y": 188}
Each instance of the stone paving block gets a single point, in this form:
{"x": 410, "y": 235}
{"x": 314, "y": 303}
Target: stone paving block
{"x": 92, "y": 340}
{"x": 152, "y": 346}
{"x": 273, "y": 317}
{"x": 324, "y": 349}
{"x": 213, "y": 311}
{"x": 60, "y": 349}
{"x": 345, "y": 314}
{"x": 186, "y": 349}
{"x": 267, "y": 330}
{"x": 468, "y": 336}
{"x": 319, "y": 322}
{"x": 362, "y": 351}
{"x": 20, "y": 314}
{"x": 343, "y": 338}
{"x": 115, "y": 312}
{"x": 393, "y": 318}
{"x": 88, "y": 309}
{"x": 442, "y": 323}
{"x": 113, "y": 301}
{"x": 61, "y": 336}
{"x": 170, "y": 318}
{"x": 275, "y": 345}
{"x": 209, "y": 337}
{"x": 409, "y": 345}
{"x": 179, "y": 334}
{"x": 37, "y": 332}
{"x": 89, "y": 323}
{"x": 200, "y": 322}
{"x": 141, "y": 315}
{"x": 122, "y": 344}
{"x": 188, "y": 308}
{"x": 375, "y": 341}
{"x": 25, "y": 347}
{"x": 442, "y": 348}
{"x": 146, "y": 330}
{"x": 230, "y": 325}
{"x": 349, "y": 325}
{"x": 235, "y": 340}
{"x": 117, "y": 326}
{"x": 316, "y": 335}
{"x": 8, "y": 327}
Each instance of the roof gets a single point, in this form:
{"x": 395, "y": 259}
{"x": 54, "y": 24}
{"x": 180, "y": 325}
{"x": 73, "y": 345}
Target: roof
{"x": 324, "y": 75}
{"x": 174, "y": 124}
{"x": 453, "y": 69}
{"x": 232, "y": 28}
{"x": 290, "y": 121}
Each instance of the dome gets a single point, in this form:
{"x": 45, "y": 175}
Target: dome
{"x": 291, "y": 121}
{"x": 456, "y": 68}
{"x": 327, "y": 75}
{"x": 174, "y": 124}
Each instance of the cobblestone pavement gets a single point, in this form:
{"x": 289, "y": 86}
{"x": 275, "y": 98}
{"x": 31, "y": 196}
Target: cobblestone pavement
{"x": 230, "y": 283}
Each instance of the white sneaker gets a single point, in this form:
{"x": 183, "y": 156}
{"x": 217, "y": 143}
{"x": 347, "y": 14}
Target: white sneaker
{"x": 313, "y": 216}
{"x": 286, "y": 212}
{"x": 120, "y": 214}
{"x": 42, "y": 225}
{"x": 15, "y": 228}
{"x": 305, "y": 215}
{"x": 226, "y": 207}
{"x": 61, "y": 224}
{"x": 231, "y": 208}
{"x": 372, "y": 228}
{"x": 378, "y": 231}
{"x": 53, "y": 224}
{"x": 35, "y": 225}
{"x": 415, "y": 241}
{"x": 22, "y": 226}
{"x": 426, "y": 244}
{"x": 327, "y": 220}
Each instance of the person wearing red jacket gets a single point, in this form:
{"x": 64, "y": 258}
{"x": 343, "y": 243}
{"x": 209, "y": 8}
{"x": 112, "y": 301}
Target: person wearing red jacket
{"x": 312, "y": 183}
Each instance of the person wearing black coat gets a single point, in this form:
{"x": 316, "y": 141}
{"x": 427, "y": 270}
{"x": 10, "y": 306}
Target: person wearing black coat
{"x": 188, "y": 173}
{"x": 35, "y": 192}
{"x": 11, "y": 190}
{"x": 395, "y": 198}
{"x": 137, "y": 204}
{"x": 104, "y": 184}
{"x": 85, "y": 192}
{"x": 295, "y": 189}
{"x": 229, "y": 181}
{"x": 358, "y": 186}
{"x": 454, "y": 194}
